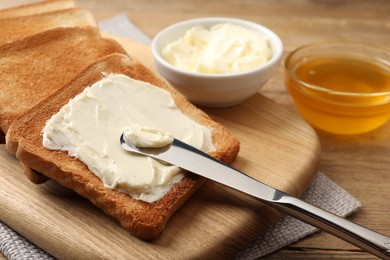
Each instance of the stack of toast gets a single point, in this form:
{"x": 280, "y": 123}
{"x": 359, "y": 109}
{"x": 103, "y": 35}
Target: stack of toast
{"x": 51, "y": 51}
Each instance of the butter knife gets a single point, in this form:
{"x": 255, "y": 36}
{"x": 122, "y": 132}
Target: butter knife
{"x": 191, "y": 159}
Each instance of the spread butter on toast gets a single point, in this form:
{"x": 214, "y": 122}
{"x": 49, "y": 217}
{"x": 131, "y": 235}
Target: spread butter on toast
{"x": 145, "y": 220}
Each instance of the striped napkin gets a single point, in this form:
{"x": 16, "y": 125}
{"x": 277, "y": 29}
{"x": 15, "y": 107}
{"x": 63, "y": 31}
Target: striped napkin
{"x": 323, "y": 193}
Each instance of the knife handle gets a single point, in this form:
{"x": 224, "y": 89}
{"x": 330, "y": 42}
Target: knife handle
{"x": 362, "y": 237}
{"x": 196, "y": 161}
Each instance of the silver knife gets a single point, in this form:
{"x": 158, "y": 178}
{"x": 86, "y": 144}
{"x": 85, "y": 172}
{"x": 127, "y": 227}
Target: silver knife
{"x": 193, "y": 160}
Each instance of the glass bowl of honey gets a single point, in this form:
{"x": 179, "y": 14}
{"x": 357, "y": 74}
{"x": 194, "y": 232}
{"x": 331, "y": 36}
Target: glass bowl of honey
{"x": 340, "y": 87}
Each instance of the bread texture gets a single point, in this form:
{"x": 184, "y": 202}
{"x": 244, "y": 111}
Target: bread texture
{"x": 144, "y": 220}
{"x": 36, "y": 8}
{"x": 17, "y": 28}
{"x": 35, "y": 67}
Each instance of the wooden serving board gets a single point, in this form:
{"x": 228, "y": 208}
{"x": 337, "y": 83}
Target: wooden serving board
{"x": 277, "y": 147}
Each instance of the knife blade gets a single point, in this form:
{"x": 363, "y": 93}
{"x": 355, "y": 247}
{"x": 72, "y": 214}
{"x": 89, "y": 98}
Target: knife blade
{"x": 196, "y": 161}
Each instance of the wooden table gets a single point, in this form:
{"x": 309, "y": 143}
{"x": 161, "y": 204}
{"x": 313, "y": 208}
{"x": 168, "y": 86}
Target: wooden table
{"x": 359, "y": 164}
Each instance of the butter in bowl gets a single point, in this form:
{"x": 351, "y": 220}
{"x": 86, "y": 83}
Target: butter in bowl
{"x": 340, "y": 87}
{"x": 217, "y": 62}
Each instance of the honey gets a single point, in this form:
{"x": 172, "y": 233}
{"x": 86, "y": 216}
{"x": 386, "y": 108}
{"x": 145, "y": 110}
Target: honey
{"x": 341, "y": 94}
{"x": 347, "y": 74}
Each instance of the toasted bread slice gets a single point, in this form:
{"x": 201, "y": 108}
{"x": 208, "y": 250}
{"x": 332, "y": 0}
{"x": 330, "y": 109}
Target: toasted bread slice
{"x": 33, "y": 68}
{"x": 36, "y": 8}
{"x": 144, "y": 220}
{"x": 13, "y": 29}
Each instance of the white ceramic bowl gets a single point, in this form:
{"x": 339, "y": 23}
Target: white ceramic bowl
{"x": 215, "y": 90}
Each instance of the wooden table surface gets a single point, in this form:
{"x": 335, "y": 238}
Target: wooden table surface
{"x": 360, "y": 164}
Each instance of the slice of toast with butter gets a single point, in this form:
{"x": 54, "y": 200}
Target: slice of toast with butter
{"x": 146, "y": 220}
{"x": 36, "y": 8}
{"x": 17, "y": 28}
{"x": 35, "y": 67}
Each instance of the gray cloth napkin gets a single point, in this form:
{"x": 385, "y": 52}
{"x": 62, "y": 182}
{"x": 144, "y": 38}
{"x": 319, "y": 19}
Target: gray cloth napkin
{"x": 323, "y": 193}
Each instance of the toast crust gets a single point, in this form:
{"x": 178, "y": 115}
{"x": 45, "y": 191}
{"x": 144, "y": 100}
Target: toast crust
{"x": 34, "y": 176}
{"x": 33, "y": 68}
{"x": 17, "y": 28}
{"x": 36, "y": 8}
{"x": 144, "y": 220}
